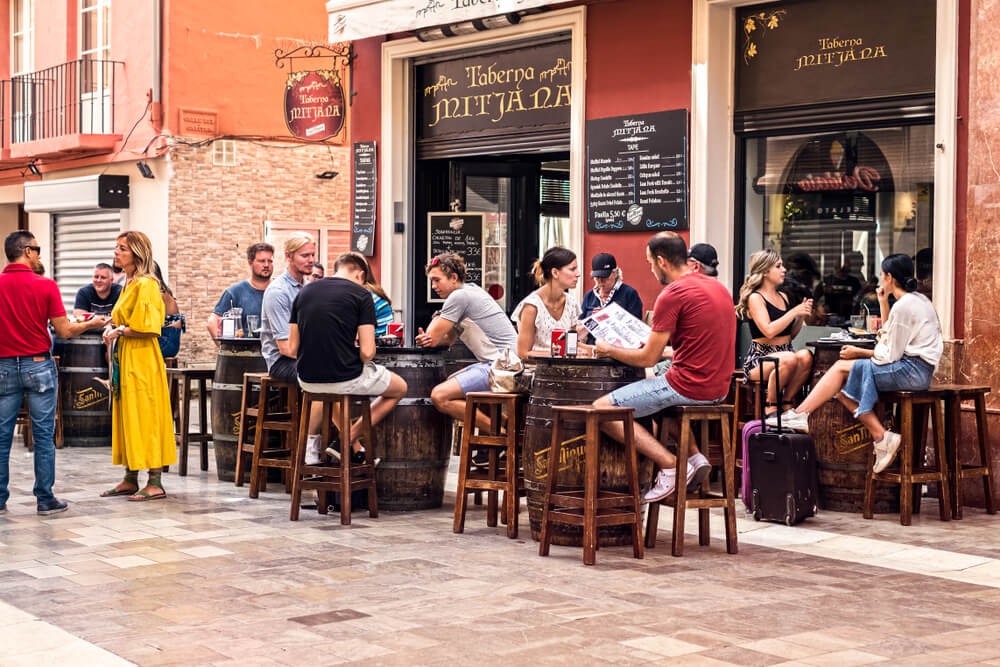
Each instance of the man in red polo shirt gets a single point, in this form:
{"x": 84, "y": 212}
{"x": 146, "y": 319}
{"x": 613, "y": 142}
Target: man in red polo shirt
{"x": 28, "y": 302}
{"x": 694, "y": 314}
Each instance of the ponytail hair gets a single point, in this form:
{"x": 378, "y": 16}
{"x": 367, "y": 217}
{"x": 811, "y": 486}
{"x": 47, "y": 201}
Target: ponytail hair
{"x": 554, "y": 258}
{"x": 900, "y": 267}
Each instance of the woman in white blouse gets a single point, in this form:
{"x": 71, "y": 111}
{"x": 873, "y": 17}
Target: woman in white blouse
{"x": 550, "y": 306}
{"x": 907, "y": 353}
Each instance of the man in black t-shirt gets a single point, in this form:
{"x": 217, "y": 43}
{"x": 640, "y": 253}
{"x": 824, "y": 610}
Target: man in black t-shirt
{"x": 100, "y": 296}
{"x": 328, "y": 316}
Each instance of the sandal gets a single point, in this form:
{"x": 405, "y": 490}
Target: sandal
{"x": 144, "y": 495}
{"x": 131, "y": 481}
{"x": 115, "y": 491}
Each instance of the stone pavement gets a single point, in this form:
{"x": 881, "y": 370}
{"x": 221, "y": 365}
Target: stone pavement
{"x": 210, "y": 577}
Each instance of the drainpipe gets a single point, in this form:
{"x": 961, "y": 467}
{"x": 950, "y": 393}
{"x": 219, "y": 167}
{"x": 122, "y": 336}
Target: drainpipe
{"x": 156, "y": 92}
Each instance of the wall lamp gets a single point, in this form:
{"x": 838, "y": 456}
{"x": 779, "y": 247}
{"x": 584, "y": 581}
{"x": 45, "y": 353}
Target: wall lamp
{"x": 144, "y": 169}
{"x": 33, "y": 168}
{"x": 468, "y": 27}
{"x": 327, "y": 175}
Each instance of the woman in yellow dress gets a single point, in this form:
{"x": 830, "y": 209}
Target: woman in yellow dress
{"x": 142, "y": 436}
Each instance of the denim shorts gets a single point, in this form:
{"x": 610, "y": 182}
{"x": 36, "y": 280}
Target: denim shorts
{"x": 649, "y": 396}
{"x": 473, "y": 378}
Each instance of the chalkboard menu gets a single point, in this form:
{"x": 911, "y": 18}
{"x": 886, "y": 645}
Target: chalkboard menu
{"x": 462, "y": 234}
{"x": 637, "y": 172}
{"x": 365, "y": 182}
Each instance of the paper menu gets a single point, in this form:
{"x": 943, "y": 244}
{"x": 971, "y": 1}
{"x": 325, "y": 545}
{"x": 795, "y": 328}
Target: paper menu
{"x": 615, "y": 325}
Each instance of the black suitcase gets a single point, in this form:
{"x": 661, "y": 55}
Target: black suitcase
{"x": 782, "y": 470}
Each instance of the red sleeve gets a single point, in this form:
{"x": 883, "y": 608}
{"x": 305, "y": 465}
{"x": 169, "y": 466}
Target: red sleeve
{"x": 666, "y": 310}
{"x": 55, "y": 307}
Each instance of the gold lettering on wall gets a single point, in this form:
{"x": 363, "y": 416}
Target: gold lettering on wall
{"x": 836, "y": 52}
{"x": 496, "y": 92}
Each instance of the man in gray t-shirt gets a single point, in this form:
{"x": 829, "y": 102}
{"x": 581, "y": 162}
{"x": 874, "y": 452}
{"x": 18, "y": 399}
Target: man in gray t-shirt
{"x": 470, "y": 314}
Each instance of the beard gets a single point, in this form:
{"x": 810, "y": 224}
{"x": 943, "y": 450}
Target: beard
{"x": 39, "y": 268}
{"x": 261, "y": 276}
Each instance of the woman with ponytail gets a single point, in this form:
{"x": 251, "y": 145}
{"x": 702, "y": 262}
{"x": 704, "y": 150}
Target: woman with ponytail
{"x": 773, "y": 323}
{"x": 908, "y": 350}
{"x": 550, "y": 306}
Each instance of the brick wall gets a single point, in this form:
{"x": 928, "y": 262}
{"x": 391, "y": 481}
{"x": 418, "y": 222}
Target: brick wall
{"x": 216, "y": 212}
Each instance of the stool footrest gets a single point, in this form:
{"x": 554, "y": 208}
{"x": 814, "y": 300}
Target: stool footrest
{"x": 605, "y": 517}
{"x": 604, "y": 499}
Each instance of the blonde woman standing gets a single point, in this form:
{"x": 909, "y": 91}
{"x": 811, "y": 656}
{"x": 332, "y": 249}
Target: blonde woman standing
{"x": 773, "y": 324}
{"x": 550, "y": 306}
{"x": 142, "y": 434}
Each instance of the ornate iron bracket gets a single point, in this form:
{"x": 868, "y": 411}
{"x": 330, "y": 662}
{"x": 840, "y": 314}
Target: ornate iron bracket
{"x": 342, "y": 54}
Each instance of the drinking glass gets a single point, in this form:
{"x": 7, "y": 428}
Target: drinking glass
{"x": 253, "y": 324}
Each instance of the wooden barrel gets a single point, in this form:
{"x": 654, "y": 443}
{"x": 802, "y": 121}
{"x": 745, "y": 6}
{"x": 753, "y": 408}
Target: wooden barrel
{"x": 413, "y": 441}
{"x": 236, "y": 357}
{"x": 574, "y": 382}
{"x": 86, "y": 407}
{"x": 843, "y": 449}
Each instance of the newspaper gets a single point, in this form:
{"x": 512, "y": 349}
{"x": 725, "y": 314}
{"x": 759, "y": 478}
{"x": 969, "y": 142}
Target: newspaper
{"x": 617, "y": 326}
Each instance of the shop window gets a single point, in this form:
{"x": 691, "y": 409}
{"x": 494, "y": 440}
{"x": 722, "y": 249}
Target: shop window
{"x": 834, "y": 204}
{"x": 331, "y": 241}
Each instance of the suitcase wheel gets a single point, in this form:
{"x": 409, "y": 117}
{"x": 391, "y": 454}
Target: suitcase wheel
{"x": 756, "y": 505}
{"x": 790, "y": 513}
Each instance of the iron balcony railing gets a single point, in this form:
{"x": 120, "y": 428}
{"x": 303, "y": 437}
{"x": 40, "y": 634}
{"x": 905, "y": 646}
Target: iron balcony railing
{"x": 77, "y": 97}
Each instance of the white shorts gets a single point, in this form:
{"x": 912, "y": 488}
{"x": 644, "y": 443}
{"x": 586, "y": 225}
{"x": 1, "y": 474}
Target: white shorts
{"x": 373, "y": 381}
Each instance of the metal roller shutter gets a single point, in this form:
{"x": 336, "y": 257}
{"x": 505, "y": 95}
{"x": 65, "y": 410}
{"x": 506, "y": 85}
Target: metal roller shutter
{"x": 82, "y": 240}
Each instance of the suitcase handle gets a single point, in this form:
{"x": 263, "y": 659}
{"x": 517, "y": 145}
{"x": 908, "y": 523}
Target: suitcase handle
{"x": 763, "y": 392}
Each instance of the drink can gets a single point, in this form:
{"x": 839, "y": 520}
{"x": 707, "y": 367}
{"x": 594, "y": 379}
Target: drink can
{"x": 571, "y": 343}
{"x": 395, "y": 329}
{"x": 558, "y": 342}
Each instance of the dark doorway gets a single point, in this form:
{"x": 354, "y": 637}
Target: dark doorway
{"x": 508, "y": 190}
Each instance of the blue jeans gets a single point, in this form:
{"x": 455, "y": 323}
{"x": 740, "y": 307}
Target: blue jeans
{"x": 867, "y": 379}
{"x": 649, "y": 396}
{"x": 38, "y": 380}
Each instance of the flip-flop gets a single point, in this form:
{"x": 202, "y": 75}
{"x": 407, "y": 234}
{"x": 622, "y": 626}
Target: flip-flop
{"x": 113, "y": 491}
{"x": 143, "y": 496}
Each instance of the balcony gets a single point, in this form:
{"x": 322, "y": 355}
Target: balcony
{"x": 61, "y": 111}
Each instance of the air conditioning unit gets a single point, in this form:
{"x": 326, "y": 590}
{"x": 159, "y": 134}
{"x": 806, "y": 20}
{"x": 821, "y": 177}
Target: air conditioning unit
{"x": 85, "y": 193}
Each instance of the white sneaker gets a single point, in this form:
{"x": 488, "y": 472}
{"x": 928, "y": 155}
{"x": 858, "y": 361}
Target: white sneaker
{"x": 666, "y": 484}
{"x": 698, "y": 471}
{"x": 312, "y": 450}
{"x": 791, "y": 420}
{"x": 885, "y": 450}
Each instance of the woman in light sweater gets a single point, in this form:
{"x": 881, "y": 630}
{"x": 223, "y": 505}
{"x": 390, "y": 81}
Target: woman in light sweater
{"x": 908, "y": 350}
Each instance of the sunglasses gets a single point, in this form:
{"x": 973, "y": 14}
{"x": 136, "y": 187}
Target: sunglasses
{"x": 37, "y": 249}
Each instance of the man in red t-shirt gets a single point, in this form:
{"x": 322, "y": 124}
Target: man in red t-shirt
{"x": 694, "y": 314}
{"x": 28, "y": 302}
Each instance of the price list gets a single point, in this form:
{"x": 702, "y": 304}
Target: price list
{"x": 460, "y": 233}
{"x": 637, "y": 172}
{"x": 365, "y": 189}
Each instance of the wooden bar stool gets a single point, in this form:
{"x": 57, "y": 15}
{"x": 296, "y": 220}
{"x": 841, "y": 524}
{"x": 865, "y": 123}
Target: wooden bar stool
{"x": 591, "y": 507}
{"x": 702, "y": 416}
{"x": 249, "y": 409}
{"x": 913, "y": 407}
{"x": 182, "y": 379}
{"x": 339, "y": 476}
{"x": 506, "y": 415}
{"x": 277, "y": 411}
{"x": 954, "y": 394}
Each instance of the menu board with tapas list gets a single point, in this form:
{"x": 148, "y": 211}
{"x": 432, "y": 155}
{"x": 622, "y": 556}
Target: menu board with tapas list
{"x": 637, "y": 172}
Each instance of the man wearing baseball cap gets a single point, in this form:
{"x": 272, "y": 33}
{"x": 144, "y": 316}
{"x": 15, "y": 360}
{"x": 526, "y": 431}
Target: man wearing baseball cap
{"x": 608, "y": 288}
{"x": 702, "y": 258}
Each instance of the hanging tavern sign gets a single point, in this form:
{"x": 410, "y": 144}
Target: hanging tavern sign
{"x": 315, "y": 101}
{"x": 816, "y": 51}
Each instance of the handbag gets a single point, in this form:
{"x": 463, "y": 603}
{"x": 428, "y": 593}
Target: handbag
{"x": 507, "y": 374}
